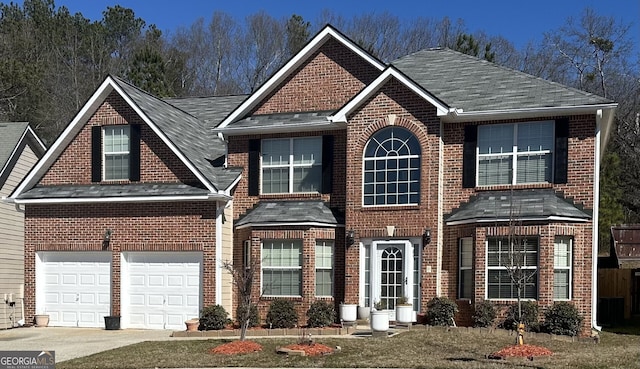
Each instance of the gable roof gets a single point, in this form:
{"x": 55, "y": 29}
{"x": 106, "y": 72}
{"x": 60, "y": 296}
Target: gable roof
{"x": 472, "y": 86}
{"x": 183, "y": 133}
{"x": 14, "y": 136}
{"x": 527, "y": 205}
{"x": 626, "y": 245}
{"x": 327, "y": 33}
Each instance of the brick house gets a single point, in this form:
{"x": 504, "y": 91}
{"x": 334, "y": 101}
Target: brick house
{"x": 345, "y": 178}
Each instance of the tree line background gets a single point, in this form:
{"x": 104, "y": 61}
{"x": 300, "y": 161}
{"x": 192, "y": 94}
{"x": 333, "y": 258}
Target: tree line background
{"x": 51, "y": 61}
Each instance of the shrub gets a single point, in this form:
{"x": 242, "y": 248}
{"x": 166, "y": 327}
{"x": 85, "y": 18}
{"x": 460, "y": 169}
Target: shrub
{"x": 254, "y": 317}
{"x": 440, "y": 311}
{"x": 213, "y": 317}
{"x": 485, "y": 314}
{"x": 321, "y": 314}
{"x": 529, "y": 316}
{"x": 562, "y": 318}
{"x": 282, "y": 314}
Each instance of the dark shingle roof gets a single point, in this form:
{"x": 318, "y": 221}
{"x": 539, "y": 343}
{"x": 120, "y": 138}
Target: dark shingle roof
{"x": 278, "y": 212}
{"x": 519, "y": 204}
{"x": 187, "y": 133}
{"x": 283, "y": 120}
{"x": 112, "y": 190}
{"x": 474, "y": 85}
{"x": 10, "y": 134}
{"x": 211, "y": 110}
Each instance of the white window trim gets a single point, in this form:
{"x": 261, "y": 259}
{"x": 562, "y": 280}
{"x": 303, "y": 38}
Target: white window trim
{"x": 376, "y": 159}
{"x": 461, "y": 268}
{"x": 569, "y": 268}
{"x": 514, "y": 155}
{"x": 291, "y": 165}
{"x": 487, "y": 268}
{"x": 263, "y": 267}
{"x": 331, "y": 268}
{"x": 114, "y": 153}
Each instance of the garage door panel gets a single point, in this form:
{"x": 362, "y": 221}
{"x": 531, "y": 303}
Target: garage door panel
{"x": 170, "y": 282}
{"x": 76, "y": 287}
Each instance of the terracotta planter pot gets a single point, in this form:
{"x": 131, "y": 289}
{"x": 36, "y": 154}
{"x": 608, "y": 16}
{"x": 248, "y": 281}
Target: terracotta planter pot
{"x": 42, "y": 320}
{"x": 192, "y": 325}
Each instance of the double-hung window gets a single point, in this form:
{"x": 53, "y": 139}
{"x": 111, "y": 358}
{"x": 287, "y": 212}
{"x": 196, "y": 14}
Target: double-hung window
{"x": 282, "y": 267}
{"x": 292, "y": 165}
{"x": 515, "y": 153}
{"x": 465, "y": 267}
{"x": 562, "y": 260}
{"x": 324, "y": 268}
{"x": 509, "y": 261}
{"x": 116, "y": 152}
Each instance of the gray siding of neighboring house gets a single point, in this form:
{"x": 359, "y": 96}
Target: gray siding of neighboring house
{"x": 12, "y": 243}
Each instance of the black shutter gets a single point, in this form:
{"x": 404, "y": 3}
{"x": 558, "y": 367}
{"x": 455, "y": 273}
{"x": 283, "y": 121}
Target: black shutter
{"x": 327, "y": 163}
{"x": 96, "y": 154}
{"x": 254, "y": 168}
{"x": 561, "y": 151}
{"x": 469, "y": 156}
{"x": 134, "y": 153}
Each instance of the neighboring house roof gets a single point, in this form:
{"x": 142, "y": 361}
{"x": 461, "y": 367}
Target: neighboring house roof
{"x": 518, "y": 205}
{"x": 183, "y": 133}
{"x": 473, "y": 85}
{"x": 626, "y": 245}
{"x": 14, "y": 136}
{"x": 290, "y": 213}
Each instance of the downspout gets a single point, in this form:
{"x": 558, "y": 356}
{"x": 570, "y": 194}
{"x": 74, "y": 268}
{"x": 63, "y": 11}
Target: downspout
{"x": 219, "y": 244}
{"x": 440, "y": 222}
{"x": 596, "y": 209}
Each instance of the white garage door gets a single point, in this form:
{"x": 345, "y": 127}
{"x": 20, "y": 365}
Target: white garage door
{"x": 73, "y": 287}
{"x": 160, "y": 290}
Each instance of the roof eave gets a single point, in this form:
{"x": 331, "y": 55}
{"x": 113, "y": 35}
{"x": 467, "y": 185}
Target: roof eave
{"x": 120, "y": 199}
{"x": 459, "y": 115}
{"x": 301, "y": 127}
{"x": 550, "y": 218}
{"x": 289, "y": 224}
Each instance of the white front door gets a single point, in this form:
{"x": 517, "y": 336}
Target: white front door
{"x": 160, "y": 290}
{"x": 391, "y": 273}
{"x": 73, "y": 288}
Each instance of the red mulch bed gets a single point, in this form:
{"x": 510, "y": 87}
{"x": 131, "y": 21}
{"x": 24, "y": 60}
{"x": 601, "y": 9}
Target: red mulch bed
{"x": 529, "y": 351}
{"x": 313, "y": 349}
{"x": 236, "y": 347}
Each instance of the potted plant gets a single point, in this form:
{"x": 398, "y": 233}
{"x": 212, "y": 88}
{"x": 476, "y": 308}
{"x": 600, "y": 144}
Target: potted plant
{"x": 363, "y": 312}
{"x": 348, "y": 312}
{"x": 379, "y": 318}
{"x": 404, "y": 311}
{"x": 192, "y": 324}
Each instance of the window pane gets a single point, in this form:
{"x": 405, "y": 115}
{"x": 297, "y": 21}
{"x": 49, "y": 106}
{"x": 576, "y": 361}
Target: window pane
{"x": 281, "y": 282}
{"x": 495, "y": 138}
{"x": 307, "y": 179}
{"x": 275, "y": 152}
{"x": 534, "y": 168}
{"x": 494, "y": 170}
{"x": 307, "y": 150}
{"x": 561, "y": 284}
{"x": 535, "y": 136}
{"x": 275, "y": 180}
{"x": 116, "y": 166}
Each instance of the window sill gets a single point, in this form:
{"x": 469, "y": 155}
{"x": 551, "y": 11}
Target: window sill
{"x": 515, "y": 187}
{"x": 288, "y": 196}
{"x": 389, "y": 207}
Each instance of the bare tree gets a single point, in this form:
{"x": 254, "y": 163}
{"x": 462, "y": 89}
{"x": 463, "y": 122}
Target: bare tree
{"x": 243, "y": 277}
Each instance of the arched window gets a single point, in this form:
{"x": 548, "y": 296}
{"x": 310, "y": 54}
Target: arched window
{"x": 392, "y": 168}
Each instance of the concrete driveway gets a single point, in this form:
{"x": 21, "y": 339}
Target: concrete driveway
{"x": 70, "y": 343}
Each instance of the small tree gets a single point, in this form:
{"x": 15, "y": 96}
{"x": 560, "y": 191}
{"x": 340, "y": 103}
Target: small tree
{"x": 243, "y": 276}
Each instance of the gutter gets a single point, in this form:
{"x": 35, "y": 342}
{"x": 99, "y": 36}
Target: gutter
{"x": 133, "y": 199}
{"x": 288, "y": 128}
{"x": 458, "y": 115}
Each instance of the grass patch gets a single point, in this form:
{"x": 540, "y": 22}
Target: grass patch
{"x": 412, "y": 349}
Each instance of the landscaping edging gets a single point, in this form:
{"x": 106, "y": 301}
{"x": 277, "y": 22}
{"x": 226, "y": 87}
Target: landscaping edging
{"x": 276, "y": 332}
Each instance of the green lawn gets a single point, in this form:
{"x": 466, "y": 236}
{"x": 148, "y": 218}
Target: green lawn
{"x": 411, "y": 349}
